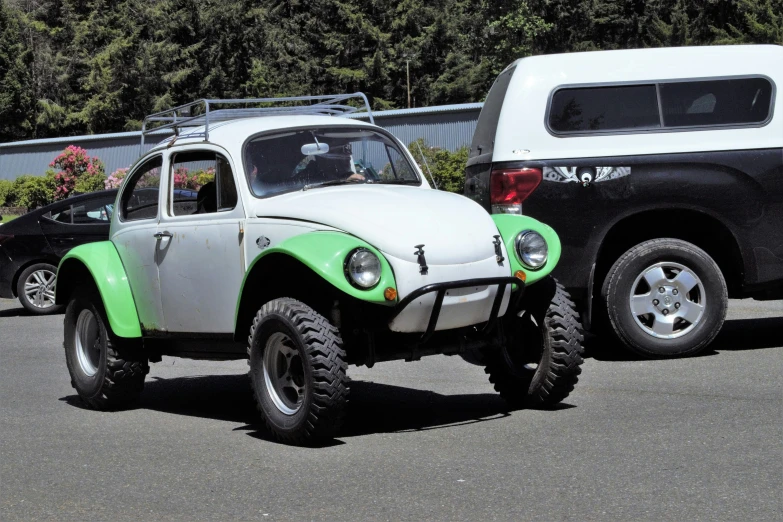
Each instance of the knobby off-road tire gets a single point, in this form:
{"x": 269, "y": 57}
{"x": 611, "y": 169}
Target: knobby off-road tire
{"x": 541, "y": 363}
{"x": 297, "y": 371}
{"x": 107, "y": 372}
{"x": 676, "y": 258}
{"x": 35, "y": 295}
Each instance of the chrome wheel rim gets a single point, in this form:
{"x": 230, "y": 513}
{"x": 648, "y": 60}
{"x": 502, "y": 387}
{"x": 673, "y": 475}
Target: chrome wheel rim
{"x": 667, "y": 300}
{"x": 39, "y": 288}
{"x": 284, "y": 373}
{"x": 88, "y": 342}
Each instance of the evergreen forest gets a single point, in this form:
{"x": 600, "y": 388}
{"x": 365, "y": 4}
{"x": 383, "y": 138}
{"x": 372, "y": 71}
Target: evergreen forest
{"x": 70, "y": 67}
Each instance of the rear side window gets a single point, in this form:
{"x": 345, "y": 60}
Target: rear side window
{"x": 598, "y": 109}
{"x": 660, "y": 105}
{"x": 716, "y": 102}
{"x": 95, "y": 212}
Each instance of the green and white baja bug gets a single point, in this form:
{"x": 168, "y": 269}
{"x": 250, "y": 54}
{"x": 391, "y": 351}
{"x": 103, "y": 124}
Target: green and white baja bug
{"x": 303, "y": 240}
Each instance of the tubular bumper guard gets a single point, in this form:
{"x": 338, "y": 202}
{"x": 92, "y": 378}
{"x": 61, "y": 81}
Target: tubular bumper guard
{"x": 442, "y": 288}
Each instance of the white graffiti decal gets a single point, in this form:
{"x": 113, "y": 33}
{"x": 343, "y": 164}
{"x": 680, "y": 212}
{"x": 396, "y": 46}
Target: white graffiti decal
{"x": 569, "y": 174}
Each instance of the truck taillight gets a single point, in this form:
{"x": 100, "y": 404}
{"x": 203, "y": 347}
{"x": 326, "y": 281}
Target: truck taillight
{"x": 508, "y": 188}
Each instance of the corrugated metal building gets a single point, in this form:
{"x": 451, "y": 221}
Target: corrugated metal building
{"x": 445, "y": 126}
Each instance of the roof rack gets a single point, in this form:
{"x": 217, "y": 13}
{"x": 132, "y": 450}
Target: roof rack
{"x": 183, "y": 116}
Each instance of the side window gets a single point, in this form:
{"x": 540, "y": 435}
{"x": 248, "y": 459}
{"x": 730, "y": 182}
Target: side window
{"x": 597, "y": 109}
{"x": 140, "y": 193}
{"x": 716, "y": 102}
{"x": 201, "y": 183}
{"x": 97, "y": 211}
{"x": 62, "y": 215}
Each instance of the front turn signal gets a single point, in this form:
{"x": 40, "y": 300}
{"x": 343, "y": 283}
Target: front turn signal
{"x": 390, "y": 294}
{"x": 519, "y": 274}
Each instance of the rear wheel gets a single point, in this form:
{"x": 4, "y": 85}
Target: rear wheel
{"x": 297, "y": 371}
{"x": 107, "y": 372}
{"x": 35, "y": 288}
{"x": 540, "y": 364}
{"x": 665, "y": 298}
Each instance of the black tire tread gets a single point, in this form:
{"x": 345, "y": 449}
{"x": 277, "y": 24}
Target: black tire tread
{"x": 324, "y": 348}
{"x": 562, "y": 373}
{"x": 126, "y": 368}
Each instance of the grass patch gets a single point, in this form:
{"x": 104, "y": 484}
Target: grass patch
{"x": 8, "y": 217}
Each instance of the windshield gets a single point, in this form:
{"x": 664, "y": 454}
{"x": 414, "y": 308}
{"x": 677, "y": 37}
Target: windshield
{"x": 309, "y": 158}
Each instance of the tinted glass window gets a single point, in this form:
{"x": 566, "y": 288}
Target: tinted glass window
{"x": 93, "y": 212}
{"x": 202, "y": 183}
{"x": 599, "y": 109}
{"x": 716, "y": 102}
{"x": 140, "y": 193}
{"x": 296, "y": 160}
{"x": 62, "y": 215}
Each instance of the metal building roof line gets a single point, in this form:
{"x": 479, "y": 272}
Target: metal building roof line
{"x": 435, "y": 109}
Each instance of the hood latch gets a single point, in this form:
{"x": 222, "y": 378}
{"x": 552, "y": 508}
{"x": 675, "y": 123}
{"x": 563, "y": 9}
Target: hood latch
{"x": 498, "y": 250}
{"x": 423, "y": 268}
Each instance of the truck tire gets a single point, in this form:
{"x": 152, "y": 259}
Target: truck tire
{"x": 107, "y": 372}
{"x": 297, "y": 371}
{"x": 35, "y": 289}
{"x": 666, "y": 298}
{"x": 540, "y": 364}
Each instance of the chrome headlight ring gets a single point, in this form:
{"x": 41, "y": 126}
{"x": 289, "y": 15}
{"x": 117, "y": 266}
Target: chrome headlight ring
{"x": 531, "y": 249}
{"x": 362, "y": 268}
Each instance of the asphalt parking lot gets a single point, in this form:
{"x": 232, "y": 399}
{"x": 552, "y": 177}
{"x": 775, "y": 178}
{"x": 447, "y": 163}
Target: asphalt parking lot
{"x": 698, "y": 438}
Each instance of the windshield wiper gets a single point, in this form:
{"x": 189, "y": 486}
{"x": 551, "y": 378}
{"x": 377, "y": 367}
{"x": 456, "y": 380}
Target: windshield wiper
{"x": 332, "y": 182}
{"x": 399, "y": 182}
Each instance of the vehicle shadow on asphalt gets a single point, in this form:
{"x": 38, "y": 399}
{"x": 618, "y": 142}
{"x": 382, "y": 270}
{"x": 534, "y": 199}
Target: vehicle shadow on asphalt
{"x": 15, "y": 312}
{"x": 373, "y": 407}
{"x": 736, "y": 335}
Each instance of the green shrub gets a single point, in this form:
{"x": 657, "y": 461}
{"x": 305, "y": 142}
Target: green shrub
{"x": 6, "y": 188}
{"x": 32, "y": 192}
{"x": 448, "y": 168}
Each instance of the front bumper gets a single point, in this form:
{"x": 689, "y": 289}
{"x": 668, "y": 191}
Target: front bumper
{"x": 442, "y": 288}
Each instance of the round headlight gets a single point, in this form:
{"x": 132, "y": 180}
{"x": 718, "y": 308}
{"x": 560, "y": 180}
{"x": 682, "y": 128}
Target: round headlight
{"x": 363, "y": 268}
{"x": 531, "y": 249}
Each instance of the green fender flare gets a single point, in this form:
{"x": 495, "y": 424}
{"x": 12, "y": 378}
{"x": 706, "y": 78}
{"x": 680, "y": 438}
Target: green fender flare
{"x": 510, "y": 225}
{"x": 324, "y": 253}
{"x": 103, "y": 262}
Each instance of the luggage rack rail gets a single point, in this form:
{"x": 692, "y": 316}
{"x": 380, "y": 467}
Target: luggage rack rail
{"x": 181, "y": 117}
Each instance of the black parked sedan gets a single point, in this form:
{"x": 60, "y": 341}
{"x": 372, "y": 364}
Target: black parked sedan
{"x": 32, "y": 245}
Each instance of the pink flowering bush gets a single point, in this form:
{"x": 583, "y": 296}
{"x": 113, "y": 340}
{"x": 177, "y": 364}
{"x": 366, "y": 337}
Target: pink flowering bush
{"x": 183, "y": 179}
{"x": 115, "y": 179}
{"x": 73, "y": 170}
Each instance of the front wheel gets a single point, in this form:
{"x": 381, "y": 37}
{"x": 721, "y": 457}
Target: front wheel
{"x": 107, "y": 372}
{"x": 540, "y": 364}
{"x": 666, "y": 298}
{"x": 297, "y": 371}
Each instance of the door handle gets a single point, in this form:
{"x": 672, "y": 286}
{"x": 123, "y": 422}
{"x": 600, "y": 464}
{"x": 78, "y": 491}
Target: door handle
{"x": 161, "y": 235}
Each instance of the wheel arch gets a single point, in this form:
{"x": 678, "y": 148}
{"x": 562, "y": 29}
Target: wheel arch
{"x": 694, "y": 226}
{"x": 308, "y": 267}
{"x": 98, "y": 265}
{"x": 294, "y": 279}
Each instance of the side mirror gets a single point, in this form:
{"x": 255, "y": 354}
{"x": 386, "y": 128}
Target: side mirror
{"x": 315, "y": 149}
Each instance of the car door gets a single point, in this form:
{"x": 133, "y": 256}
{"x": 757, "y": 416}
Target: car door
{"x": 57, "y": 227}
{"x": 134, "y": 234}
{"x": 201, "y": 263}
{"x": 85, "y": 221}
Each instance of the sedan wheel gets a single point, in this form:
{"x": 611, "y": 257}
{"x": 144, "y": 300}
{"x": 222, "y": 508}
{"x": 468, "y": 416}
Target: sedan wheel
{"x": 36, "y": 289}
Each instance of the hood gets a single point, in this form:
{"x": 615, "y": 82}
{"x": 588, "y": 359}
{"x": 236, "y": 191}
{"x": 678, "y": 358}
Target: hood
{"x": 452, "y": 228}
